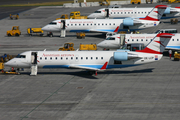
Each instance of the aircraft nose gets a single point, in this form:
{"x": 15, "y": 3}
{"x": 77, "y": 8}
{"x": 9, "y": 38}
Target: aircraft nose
{"x": 45, "y": 28}
{"x": 90, "y": 16}
{"x": 101, "y": 44}
{"x": 9, "y": 63}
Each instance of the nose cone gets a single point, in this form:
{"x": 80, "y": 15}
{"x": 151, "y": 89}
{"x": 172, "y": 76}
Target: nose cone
{"x": 91, "y": 16}
{"x": 9, "y": 63}
{"x": 102, "y": 44}
{"x": 45, "y": 28}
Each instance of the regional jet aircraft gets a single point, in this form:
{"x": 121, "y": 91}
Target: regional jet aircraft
{"x": 132, "y": 12}
{"x": 117, "y": 41}
{"x": 107, "y": 25}
{"x": 93, "y": 60}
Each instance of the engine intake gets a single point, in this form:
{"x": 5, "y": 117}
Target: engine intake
{"x": 123, "y": 56}
{"x": 128, "y": 22}
{"x": 168, "y": 10}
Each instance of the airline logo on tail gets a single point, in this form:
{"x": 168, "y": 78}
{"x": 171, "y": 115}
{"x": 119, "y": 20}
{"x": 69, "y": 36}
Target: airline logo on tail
{"x": 158, "y": 44}
{"x": 156, "y": 13}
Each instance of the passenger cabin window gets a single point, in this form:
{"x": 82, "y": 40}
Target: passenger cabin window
{"x": 40, "y": 58}
{"x": 51, "y": 58}
{"x": 56, "y": 58}
{"x": 101, "y": 58}
{"x": 21, "y": 56}
{"x": 52, "y": 23}
{"x": 81, "y": 58}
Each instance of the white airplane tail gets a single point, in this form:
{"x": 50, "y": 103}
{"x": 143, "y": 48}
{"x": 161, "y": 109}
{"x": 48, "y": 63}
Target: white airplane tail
{"x": 156, "y": 13}
{"x": 158, "y": 44}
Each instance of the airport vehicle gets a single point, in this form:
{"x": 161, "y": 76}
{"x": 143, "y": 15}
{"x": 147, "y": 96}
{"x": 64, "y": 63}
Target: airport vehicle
{"x": 73, "y": 15}
{"x": 174, "y": 20}
{"x": 104, "y": 2}
{"x": 107, "y": 25}
{"x": 14, "y": 16}
{"x": 173, "y": 1}
{"x": 67, "y": 47}
{"x": 80, "y": 35}
{"x": 149, "y": 1}
{"x": 63, "y": 16}
{"x": 176, "y": 56}
{"x": 31, "y": 31}
{"x": 3, "y": 59}
{"x": 135, "y": 1}
{"x": 70, "y": 47}
{"x": 118, "y": 41}
{"x": 87, "y": 47}
{"x": 136, "y": 12}
{"x": 91, "y": 60}
{"x": 14, "y": 32}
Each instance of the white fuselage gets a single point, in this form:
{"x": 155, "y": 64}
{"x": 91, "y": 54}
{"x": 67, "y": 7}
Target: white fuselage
{"x": 96, "y": 25}
{"x": 113, "y": 42}
{"x": 92, "y": 59}
{"x": 133, "y": 13}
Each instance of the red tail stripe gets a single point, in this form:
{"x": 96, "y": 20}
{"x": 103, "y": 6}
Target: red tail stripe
{"x": 161, "y": 6}
{"x": 165, "y": 35}
{"x": 149, "y": 18}
{"x": 148, "y": 50}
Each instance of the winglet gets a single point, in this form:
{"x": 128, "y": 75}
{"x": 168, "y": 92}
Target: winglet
{"x": 104, "y": 66}
{"x": 116, "y": 30}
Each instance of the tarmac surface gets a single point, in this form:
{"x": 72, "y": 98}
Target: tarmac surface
{"x": 146, "y": 92}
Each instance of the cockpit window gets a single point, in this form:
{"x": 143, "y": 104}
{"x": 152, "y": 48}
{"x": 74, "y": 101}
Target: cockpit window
{"x": 53, "y": 23}
{"x": 110, "y": 38}
{"x": 21, "y": 56}
{"x": 97, "y": 12}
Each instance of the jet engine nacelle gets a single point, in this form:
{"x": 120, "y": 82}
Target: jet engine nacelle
{"x": 123, "y": 56}
{"x": 168, "y": 10}
{"x": 128, "y": 22}
{"x": 120, "y": 56}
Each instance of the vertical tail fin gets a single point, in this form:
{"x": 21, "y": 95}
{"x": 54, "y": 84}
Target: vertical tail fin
{"x": 158, "y": 44}
{"x": 156, "y": 13}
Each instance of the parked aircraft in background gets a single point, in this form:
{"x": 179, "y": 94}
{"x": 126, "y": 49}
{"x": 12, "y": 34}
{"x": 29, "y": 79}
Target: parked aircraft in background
{"x": 107, "y": 25}
{"x": 119, "y": 40}
{"x": 132, "y": 12}
{"x": 93, "y": 60}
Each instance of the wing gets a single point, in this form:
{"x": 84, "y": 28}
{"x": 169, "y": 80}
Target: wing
{"x": 102, "y": 30}
{"x": 90, "y": 67}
